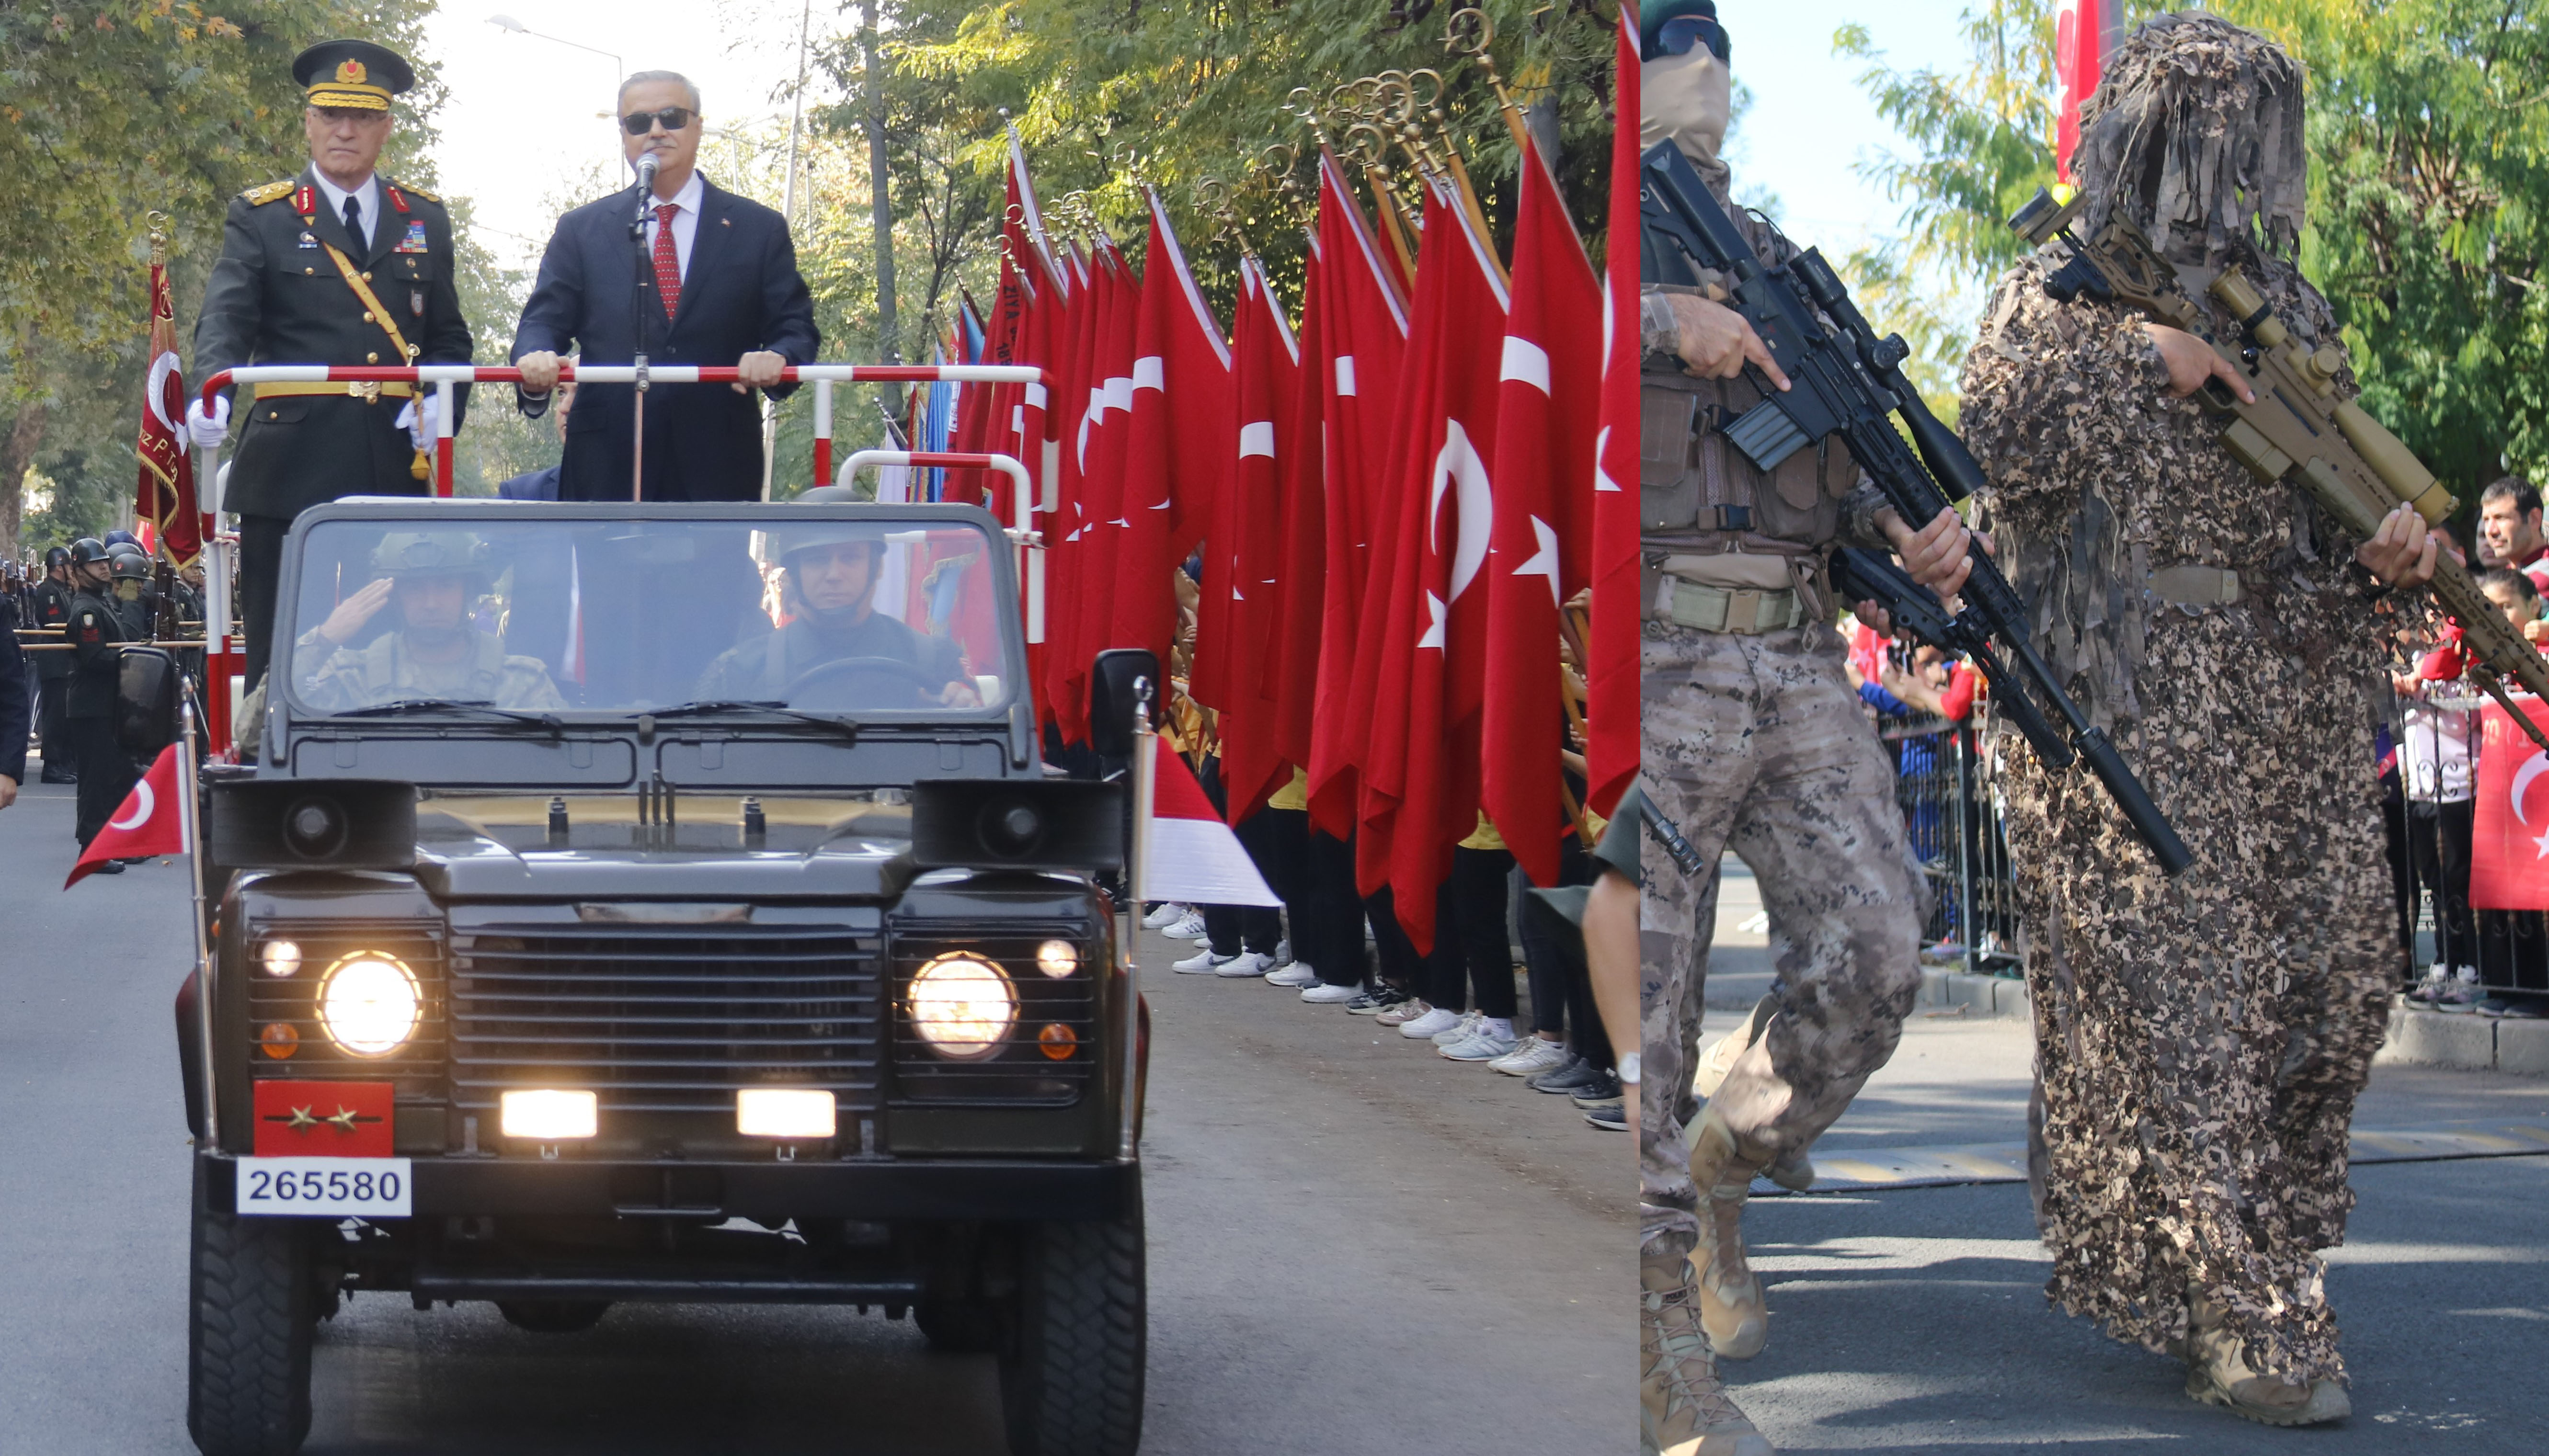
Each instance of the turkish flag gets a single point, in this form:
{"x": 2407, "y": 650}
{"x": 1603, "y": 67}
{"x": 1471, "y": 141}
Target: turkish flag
{"x": 1362, "y": 330}
{"x": 2084, "y": 31}
{"x": 1243, "y": 561}
{"x": 1075, "y": 339}
{"x": 1546, "y": 422}
{"x": 2509, "y": 835}
{"x": 297, "y": 1119}
{"x": 151, "y": 822}
{"x": 1420, "y": 674}
{"x": 1097, "y": 454}
{"x": 1178, "y": 458}
{"x": 1194, "y": 856}
{"x": 1611, "y": 668}
{"x": 164, "y": 496}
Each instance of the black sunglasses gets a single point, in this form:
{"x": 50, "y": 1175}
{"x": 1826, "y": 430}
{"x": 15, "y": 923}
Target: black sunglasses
{"x": 639, "y": 122}
{"x": 1682, "y": 32}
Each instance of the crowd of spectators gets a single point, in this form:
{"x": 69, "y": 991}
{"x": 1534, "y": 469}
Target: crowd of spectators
{"x": 1338, "y": 952}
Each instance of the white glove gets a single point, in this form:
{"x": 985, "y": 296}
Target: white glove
{"x": 206, "y": 432}
{"x": 418, "y": 417}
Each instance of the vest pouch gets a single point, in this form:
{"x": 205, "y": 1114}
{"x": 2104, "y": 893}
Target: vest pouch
{"x": 1792, "y": 505}
{"x": 1669, "y": 477}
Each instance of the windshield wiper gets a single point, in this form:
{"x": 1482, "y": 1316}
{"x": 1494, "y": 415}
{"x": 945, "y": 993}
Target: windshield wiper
{"x": 405, "y": 705}
{"x": 849, "y": 731}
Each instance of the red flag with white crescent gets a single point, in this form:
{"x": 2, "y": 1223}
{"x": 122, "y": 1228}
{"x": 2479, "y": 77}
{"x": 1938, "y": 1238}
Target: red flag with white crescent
{"x": 164, "y": 495}
{"x": 1611, "y": 670}
{"x": 2509, "y": 835}
{"x": 2085, "y": 32}
{"x": 150, "y": 821}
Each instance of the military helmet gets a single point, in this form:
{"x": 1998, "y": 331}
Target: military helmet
{"x": 129, "y": 566}
{"x": 422, "y": 553}
{"x": 87, "y": 549}
{"x": 787, "y": 541}
{"x": 59, "y": 555}
{"x": 114, "y": 539}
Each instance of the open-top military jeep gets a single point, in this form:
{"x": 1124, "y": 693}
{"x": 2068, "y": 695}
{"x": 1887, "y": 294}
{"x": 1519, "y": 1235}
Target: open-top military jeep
{"x": 663, "y": 903}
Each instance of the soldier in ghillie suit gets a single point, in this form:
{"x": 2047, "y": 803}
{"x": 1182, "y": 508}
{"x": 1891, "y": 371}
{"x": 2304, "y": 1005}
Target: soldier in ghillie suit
{"x": 2200, "y": 1039}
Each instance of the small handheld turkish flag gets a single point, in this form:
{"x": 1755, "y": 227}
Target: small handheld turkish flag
{"x": 1194, "y": 859}
{"x": 150, "y": 823}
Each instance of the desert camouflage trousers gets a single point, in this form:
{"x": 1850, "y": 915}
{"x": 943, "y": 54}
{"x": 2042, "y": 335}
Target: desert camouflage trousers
{"x": 1757, "y": 744}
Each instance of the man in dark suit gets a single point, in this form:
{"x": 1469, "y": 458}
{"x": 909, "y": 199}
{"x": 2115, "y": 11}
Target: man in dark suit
{"x": 722, "y": 287}
{"x": 342, "y": 266}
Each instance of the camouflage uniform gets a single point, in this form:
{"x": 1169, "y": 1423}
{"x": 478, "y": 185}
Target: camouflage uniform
{"x": 1754, "y": 740}
{"x": 384, "y": 672}
{"x": 2199, "y": 1041}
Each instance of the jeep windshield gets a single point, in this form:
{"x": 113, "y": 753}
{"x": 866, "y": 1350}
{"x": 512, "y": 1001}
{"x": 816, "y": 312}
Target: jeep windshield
{"x": 765, "y": 612}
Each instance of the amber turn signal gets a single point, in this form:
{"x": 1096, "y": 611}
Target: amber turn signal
{"x": 1058, "y": 1042}
{"x": 279, "y": 1040}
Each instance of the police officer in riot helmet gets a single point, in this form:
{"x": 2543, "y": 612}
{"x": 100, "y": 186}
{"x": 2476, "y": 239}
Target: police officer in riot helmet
{"x": 429, "y": 580}
{"x": 49, "y": 608}
{"x": 96, "y": 633}
{"x": 129, "y": 579}
{"x": 838, "y": 651}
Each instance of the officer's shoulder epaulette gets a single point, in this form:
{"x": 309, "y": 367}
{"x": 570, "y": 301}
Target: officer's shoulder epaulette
{"x": 411, "y": 190}
{"x": 258, "y": 197}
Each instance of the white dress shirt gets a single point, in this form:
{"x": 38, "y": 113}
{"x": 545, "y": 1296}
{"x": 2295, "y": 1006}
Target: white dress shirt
{"x": 367, "y": 205}
{"x": 686, "y": 223}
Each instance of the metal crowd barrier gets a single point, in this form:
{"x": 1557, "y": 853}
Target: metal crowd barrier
{"x": 1952, "y": 815}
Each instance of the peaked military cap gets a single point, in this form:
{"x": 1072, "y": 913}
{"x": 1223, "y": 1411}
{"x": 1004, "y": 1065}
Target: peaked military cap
{"x": 357, "y": 75}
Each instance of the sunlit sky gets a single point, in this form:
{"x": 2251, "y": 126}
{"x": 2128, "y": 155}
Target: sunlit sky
{"x": 524, "y": 122}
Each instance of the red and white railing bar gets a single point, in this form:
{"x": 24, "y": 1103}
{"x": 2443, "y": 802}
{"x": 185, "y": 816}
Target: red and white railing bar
{"x": 1022, "y": 536}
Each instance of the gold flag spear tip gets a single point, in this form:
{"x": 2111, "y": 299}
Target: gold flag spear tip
{"x": 1471, "y": 34}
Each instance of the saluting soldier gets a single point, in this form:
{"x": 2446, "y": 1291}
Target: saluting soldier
{"x": 340, "y": 265}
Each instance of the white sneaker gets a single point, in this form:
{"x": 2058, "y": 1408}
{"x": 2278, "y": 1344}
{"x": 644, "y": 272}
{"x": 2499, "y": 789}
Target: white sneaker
{"x": 1530, "y": 1056}
{"x": 1319, "y": 995}
{"x": 1480, "y": 1044}
{"x": 1425, "y": 1027}
{"x": 1403, "y": 1013}
{"x": 1187, "y": 927}
{"x": 1297, "y": 975}
{"x": 1169, "y": 913}
{"x": 1246, "y": 965}
{"x": 1202, "y": 963}
{"x": 1461, "y": 1030}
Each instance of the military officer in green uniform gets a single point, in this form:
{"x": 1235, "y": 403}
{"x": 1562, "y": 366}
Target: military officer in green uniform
{"x": 429, "y": 579}
{"x": 340, "y": 265}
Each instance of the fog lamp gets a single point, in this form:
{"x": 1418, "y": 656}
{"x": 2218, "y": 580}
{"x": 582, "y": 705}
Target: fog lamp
{"x": 369, "y": 1003}
{"x": 280, "y": 957}
{"x": 548, "y": 1114}
{"x": 962, "y": 1006}
{"x": 1057, "y": 958}
{"x": 783, "y": 1112}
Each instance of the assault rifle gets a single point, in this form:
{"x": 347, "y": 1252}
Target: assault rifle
{"x": 2298, "y": 429}
{"x": 1848, "y": 382}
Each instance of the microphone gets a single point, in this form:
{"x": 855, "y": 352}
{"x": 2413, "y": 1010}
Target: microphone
{"x": 646, "y": 173}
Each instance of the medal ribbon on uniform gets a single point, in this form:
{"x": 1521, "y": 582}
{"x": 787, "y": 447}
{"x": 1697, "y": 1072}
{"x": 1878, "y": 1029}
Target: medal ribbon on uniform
{"x": 420, "y": 468}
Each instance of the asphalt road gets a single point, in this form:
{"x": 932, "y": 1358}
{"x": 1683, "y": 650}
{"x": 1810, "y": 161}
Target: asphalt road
{"x": 1356, "y": 1246}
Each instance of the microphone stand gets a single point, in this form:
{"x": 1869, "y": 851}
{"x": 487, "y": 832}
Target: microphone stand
{"x": 642, "y": 307}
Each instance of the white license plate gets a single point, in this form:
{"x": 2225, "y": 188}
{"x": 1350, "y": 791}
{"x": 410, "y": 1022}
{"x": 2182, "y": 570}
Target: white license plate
{"x": 326, "y": 1187}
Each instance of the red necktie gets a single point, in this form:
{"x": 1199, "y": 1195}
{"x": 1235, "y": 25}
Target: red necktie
{"x": 668, "y": 264}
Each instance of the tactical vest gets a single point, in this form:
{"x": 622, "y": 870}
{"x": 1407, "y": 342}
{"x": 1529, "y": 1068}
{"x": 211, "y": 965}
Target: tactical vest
{"x": 1697, "y": 496}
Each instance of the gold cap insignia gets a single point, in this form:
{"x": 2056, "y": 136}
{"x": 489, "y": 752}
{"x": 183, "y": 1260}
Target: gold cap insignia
{"x": 350, "y": 73}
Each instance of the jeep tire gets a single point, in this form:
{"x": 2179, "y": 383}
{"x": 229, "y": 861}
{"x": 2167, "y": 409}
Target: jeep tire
{"x": 1073, "y": 1363}
{"x": 252, "y": 1306}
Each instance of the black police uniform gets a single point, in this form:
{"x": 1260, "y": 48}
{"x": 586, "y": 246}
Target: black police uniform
{"x": 277, "y": 297}
{"x": 50, "y": 607}
{"x": 15, "y": 710}
{"x": 106, "y": 776}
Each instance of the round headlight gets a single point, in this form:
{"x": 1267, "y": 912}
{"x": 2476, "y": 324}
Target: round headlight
{"x": 281, "y": 957}
{"x": 1057, "y": 958}
{"x": 369, "y": 1003}
{"x": 962, "y": 1007}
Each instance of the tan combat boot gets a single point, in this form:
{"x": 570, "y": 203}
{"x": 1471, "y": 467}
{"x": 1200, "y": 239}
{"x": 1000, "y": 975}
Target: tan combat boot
{"x": 2218, "y": 1374}
{"x": 1684, "y": 1405}
{"x": 1730, "y": 1305}
{"x": 1794, "y": 1171}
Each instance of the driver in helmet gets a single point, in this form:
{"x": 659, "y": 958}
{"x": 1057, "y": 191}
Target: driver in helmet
{"x": 832, "y": 569}
{"x": 430, "y": 579}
